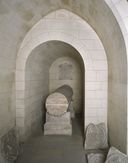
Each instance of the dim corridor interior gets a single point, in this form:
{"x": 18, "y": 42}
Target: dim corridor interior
{"x": 54, "y": 148}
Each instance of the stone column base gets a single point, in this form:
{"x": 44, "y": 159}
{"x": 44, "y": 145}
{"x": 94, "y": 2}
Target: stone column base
{"x": 58, "y": 125}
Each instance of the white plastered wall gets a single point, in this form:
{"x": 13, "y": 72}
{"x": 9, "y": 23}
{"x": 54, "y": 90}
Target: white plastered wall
{"x": 120, "y": 11}
{"x": 62, "y": 25}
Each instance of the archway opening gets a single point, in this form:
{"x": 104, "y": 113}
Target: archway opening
{"x": 92, "y": 53}
{"x": 49, "y": 66}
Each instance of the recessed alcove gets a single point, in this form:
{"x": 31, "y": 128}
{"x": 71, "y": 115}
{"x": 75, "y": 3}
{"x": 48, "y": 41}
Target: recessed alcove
{"x": 48, "y": 67}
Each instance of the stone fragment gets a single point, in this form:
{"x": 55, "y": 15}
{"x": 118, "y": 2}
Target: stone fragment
{"x": 96, "y": 137}
{"x": 96, "y": 158}
{"x": 115, "y": 156}
{"x": 9, "y": 146}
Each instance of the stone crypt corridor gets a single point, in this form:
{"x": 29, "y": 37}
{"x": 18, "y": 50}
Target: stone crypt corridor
{"x": 46, "y": 44}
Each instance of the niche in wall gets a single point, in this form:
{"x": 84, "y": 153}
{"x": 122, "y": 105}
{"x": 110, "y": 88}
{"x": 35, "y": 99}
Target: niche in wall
{"x": 40, "y": 80}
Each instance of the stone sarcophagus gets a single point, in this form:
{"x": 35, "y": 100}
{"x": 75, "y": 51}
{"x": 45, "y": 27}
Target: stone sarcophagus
{"x": 58, "y": 115}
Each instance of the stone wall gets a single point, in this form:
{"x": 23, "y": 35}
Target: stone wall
{"x": 36, "y": 91}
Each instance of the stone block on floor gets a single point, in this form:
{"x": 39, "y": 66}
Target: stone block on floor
{"x": 96, "y": 158}
{"x": 115, "y": 156}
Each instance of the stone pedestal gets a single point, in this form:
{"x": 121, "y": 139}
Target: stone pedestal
{"x": 59, "y": 111}
{"x": 58, "y": 125}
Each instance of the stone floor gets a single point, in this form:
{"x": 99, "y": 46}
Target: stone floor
{"x": 55, "y": 149}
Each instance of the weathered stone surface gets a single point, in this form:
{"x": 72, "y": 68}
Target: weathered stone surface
{"x": 65, "y": 71}
{"x": 9, "y": 146}
{"x": 57, "y": 129}
{"x": 2, "y": 160}
{"x": 65, "y": 118}
{"x": 96, "y": 158}
{"x": 58, "y": 125}
{"x": 115, "y": 156}
{"x": 58, "y": 117}
{"x": 56, "y": 104}
{"x": 96, "y": 137}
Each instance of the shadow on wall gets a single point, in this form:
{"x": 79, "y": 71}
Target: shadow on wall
{"x": 67, "y": 70}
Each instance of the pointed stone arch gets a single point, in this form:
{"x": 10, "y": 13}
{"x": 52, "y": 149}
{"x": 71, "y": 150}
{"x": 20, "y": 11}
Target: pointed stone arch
{"x": 85, "y": 40}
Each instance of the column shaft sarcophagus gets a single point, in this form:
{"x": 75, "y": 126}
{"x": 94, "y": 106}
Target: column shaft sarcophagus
{"x": 58, "y": 116}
